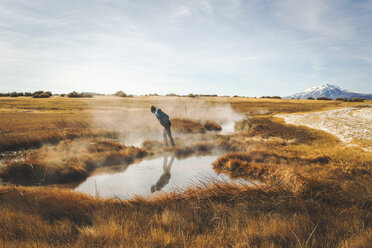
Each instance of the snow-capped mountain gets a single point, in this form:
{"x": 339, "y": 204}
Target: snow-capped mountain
{"x": 329, "y": 91}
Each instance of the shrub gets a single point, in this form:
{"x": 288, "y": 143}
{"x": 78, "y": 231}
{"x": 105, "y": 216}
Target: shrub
{"x": 356, "y": 100}
{"x": 202, "y": 95}
{"x": 120, "y": 93}
{"x": 350, "y": 100}
{"x": 62, "y": 95}
{"x": 41, "y": 95}
{"x": 37, "y": 92}
{"x": 14, "y": 94}
{"x": 271, "y": 97}
{"x": 73, "y": 94}
{"x": 44, "y": 95}
{"x": 310, "y": 98}
{"x": 76, "y": 94}
{"x": 86, "y": 94}
{"x": 208, "y": 95}
{"x": 28, "y": 94}
{"x": 323, "y": 98}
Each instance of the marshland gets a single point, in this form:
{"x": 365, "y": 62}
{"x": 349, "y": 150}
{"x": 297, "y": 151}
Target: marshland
{"x": 80, "y": 173}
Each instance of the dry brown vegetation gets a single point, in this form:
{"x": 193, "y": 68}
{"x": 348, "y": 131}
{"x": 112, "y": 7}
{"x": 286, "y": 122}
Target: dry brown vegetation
{"x": 192, "y": 126}
{"x": 68, "y": 162}
{"x": 263, "y": 106}
{"x": 29, "y": 123}
{"x": 187, "y": 126}
{"x": 315, "y": 191}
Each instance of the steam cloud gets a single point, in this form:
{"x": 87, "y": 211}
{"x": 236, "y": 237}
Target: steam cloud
{"x": 135, "y": 123}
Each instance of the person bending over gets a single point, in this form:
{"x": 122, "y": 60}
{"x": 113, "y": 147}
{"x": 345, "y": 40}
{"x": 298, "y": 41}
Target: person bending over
{"x": 165, "y": 122}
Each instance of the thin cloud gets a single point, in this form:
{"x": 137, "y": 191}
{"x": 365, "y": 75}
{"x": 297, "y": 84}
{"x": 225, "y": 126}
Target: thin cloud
{"x": 194, "y": 46}
{"x": 317, "y": 17}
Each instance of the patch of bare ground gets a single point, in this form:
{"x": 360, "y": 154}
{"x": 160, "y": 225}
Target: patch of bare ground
{"x": 351, "y": 125}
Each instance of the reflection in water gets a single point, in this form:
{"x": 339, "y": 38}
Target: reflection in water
{"x": 138, "y": 179}
{"x": 164, "y": 178}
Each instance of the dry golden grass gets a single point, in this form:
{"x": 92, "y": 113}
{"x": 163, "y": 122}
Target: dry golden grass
{"x": 25, "y": 130}
{"x": 212, "y": 126}
{"x": 29, "y": 123}
{"x": 253, "y": 106}
{"x": 69, "y": 161}
{"x": 188, "y": 126}
{"x": 316, "y": 192}
{"x": 214, "y": 215}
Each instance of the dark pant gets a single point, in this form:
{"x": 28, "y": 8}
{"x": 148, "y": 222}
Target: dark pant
{"x": 168, "y": 132}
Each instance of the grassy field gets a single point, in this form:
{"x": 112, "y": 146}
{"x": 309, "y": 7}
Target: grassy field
{"x": 315, "y": 190}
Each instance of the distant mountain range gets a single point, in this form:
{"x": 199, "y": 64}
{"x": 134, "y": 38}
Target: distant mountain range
{"x": 329, "y": 91}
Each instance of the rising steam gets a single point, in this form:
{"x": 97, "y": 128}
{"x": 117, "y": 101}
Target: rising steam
{"x": 135, "y": 123}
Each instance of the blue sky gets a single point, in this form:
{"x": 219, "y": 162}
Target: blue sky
{"x": 224, "y": 47}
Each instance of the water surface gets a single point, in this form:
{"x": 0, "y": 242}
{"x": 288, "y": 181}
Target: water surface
{"x": 152, "y": 177}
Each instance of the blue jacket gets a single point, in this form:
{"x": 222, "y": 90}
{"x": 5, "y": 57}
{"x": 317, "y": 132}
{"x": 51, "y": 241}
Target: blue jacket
{"x": 162, "y": 117}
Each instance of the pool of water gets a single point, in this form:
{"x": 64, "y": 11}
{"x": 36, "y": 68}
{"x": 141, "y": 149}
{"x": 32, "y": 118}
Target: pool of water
{"x": 151, "y": 177}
